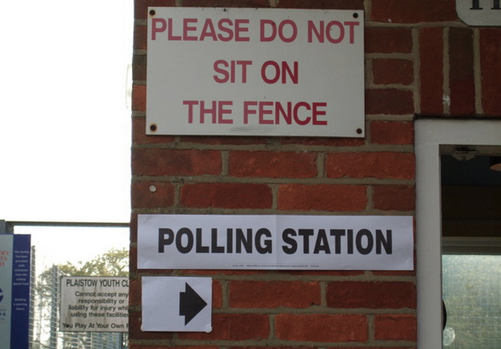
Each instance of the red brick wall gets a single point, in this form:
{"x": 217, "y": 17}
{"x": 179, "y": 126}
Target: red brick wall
{"x": 420, "y": 60}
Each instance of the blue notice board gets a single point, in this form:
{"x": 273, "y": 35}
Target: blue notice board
{"x": 15, "y": 261}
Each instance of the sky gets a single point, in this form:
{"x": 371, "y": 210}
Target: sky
{"x": 65, "y": 124}
{"x": 64, "y": 116}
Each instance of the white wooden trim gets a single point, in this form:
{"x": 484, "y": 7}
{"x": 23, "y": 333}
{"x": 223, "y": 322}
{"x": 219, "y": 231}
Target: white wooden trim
{"x": 430, "y": 134}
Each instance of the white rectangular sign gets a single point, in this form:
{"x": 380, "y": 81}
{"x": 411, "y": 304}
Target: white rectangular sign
{"x": 275, "y": 242}
{"x": 94, "y": 304}
{"x": 236, "y": 71}
{"x": 178, "y": 304}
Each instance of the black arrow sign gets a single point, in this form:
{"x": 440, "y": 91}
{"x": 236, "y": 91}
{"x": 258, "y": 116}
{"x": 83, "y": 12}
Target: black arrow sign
{"x": 190, "y": 304}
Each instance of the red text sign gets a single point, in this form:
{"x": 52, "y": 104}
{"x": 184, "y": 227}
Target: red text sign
{"x": 277, "y": 72}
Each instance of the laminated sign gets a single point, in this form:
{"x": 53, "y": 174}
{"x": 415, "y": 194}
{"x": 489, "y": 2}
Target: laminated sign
{"x": 234, "y": 71}
{"x": 94, "y": 304}
{"x": 275, "y": 242}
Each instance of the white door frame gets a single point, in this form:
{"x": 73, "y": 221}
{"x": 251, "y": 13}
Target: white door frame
{"x": 429, "y": 135}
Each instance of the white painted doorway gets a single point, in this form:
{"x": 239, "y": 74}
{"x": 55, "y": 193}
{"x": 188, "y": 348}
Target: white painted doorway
{"x": 432, "y": 137}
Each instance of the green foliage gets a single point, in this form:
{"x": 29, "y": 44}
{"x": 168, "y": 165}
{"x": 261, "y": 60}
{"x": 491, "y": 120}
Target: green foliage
{"x": 115, "y": 262}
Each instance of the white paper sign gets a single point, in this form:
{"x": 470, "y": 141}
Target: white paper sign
{"x": 275, "y": 242}
{"x": 94, "y": 304}
{"x": 236, "y": 71}
{"x": 178, "y": 304}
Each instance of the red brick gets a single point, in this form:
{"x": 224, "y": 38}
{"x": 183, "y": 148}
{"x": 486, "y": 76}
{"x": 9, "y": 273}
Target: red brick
{"x": 323, "y": 141}
{"x": 165, "y": 346}
{"x": 141, "y": 6}
{"x": 169, "y": 162}
{"x": 140, "y": 38}
{"x": 392, "y": 71}
{"x": 394, "y": 197}
{"x": 133, "y": 231}
{"x": 272, "y": 164}
{"x": 143, "y": 197}
{"x": 322, "y": 4}
{"x": 226, "y": 195}
{"x": 413, "y": 11}
{"x": 395, "y": 327}
{"x": 461, "y": 81}
{"x": 134, "y": 292}
{"x": 388, "y": 40}
{"x": 392, "y": 132}
{"x": 371, "y": 347}
{"x": 132, "y": 256}
{"x": 234, "y": 327}
{"x": 321, "y": 327}
{"x": 388, "y": 102}
{"x": 217, "y": 294}
{"x": 346, "y": 198}
{"x": 139, "y": 135}
{"x": 394, "y": 272}
{"x": 431, "y": 74}
{"x": 224, "y": 140}
{"x": 138, "y": 98}
{"x": 226, "y": 3}
{"x": 139, "y": 64}
{"x": 323, "y": 273}
{"x": 490, "y": 56}
{"x": 212, "y": 272}
{"x": 271, "y": 294}
{"x": 273, "y": 347}
{"x": 372, "y": 295}
{"x": 371, "y": 165}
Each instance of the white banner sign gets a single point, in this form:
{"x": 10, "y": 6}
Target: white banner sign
{"x": 275, "y": 242}
{"x": 236, "y": 71}
{"x": 97, "y": 304}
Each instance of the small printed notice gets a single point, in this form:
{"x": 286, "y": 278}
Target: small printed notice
{"x": 275, "y": 242}
{"x": 242, "y": 71}
{"x": 94, "y": 304}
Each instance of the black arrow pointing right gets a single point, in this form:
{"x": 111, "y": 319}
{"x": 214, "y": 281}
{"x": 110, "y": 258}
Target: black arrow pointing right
{"x": 190, "y": 304}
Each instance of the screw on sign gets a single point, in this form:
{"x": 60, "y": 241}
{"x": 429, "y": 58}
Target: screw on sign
{"x": 259, "y": 73}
